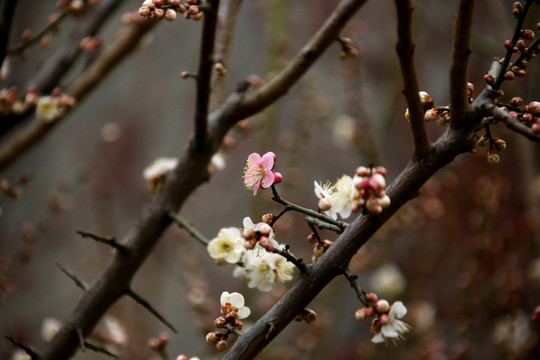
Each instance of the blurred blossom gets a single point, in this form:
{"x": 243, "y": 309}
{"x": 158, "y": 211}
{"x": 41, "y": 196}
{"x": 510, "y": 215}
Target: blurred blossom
{"x": 513, "y": 332}
{"x": 49, "y": 328}
{"x": 217, "y": 162}
{"x": 388, "y": 281}
{"x": 423, "y": 315}
{"x": 535, "y": 270}
{"x": 110, "y": 132}
{"x": 344, "y": 130}
{"x": 115, "y": 332}
{"x": 48, "y": 110}
{"x": 158, "y": 169}
{"x": 20, "y": 354}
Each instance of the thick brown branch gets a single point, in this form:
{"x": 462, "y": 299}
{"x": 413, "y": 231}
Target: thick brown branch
{"x": 25, "y": 138}
{"x": 405, "y": 51}
{"x": 459, "y": 102}
{"x": 204, "y": 75}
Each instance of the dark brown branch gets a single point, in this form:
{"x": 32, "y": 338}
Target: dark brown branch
{"x": 75, "y": 279}
{"x": 405, "y": 51}
{"x": 511, "y": 123}
{"x": 204, "y": 75}
{"x": 31, "y": 352}
{"x": 25, "y": 138}
{"x": 99, "y": 349}
{"x": 105, "y": 240}
{"x": 459, "y": 102}
{"x": 5, "y": 27}
{"x": 191, "y": 172}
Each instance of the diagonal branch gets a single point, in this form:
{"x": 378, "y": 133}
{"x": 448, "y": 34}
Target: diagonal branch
{"x": 459, "y": 102}
{"x": 405, "y": 51}
{"x": 32, "y": 133}
{"x": 5, "y": 27}
{"x": 204, "y": 75}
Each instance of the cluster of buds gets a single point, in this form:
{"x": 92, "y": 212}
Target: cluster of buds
{"x": 307, "y": 315}
{"x": 386, "y": 324}
{"x": 347, "y": 51}
{"x": 261, "y": 234}
{"x": 167, "y": 9}
{"x": 371, "y": 185}
{"x": 495, "y": 145}
{"x": 73, "y": 7}
{"x": 51, "y": 108}
{"x": 232, "y": 310}
{"x": 159, "y": 343}
{"x": 12, "y": 190}
{"x": 11, "y": 104}
{"x": 528, "y": 114}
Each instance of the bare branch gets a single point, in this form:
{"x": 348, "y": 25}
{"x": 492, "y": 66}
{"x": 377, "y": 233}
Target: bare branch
{"x": 190, "y": 229}
{"x": 5, "y": 27}
{"x": 459, "y": 102}
{"x": 405, "y": 50}
{"x": 107, "y": 241}
{"x": 204, "y": 75}
{"x": 75, "y": 279}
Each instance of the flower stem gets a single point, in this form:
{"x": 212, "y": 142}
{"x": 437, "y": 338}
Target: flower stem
{"x": 360, "y": 294}
{"x": 290, "y": 257}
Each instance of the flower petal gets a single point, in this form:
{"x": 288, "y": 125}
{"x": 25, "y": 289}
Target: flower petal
{"x": 267, "y": 180}
{"x": 225, "y": 298}
{"x": 267, "y": 161}
{"x": 243, "y": 312}
{"x": 397, "y": 311}
{"x": 237, "y": 300}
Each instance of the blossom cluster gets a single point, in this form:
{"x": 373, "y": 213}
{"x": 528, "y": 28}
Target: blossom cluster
{"x": 365, "y": 191}
{"x": 387, "y": 324}
{"x": 232, "y": 310}
{"x": 251, "y": 251}
{"x": 167, "y": 9}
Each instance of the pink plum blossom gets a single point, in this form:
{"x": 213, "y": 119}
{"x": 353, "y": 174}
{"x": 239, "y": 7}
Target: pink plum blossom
{"x": 258, "y": 172}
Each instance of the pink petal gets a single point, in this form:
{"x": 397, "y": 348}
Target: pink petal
{"x": 268, "y": 179}
{"x": 267, "y": 162}
{"x": 253, "y": 160}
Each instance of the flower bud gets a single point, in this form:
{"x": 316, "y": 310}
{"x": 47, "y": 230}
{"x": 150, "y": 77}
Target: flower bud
{"x": 375, "y": 327}
{"x": 407, "y": 115}
{"x": 326, "y": 244}
{"x": 371, "y": 297}
{"x": 425, "y": 99}
{"x": 482, "y": 141}
{"x": 213, "y": 337}
{"x": 430, "y": 115}
{"x": 312, "y": 238}
{"x": 265, "y": 230}
{"x": 493, "y": 157}
{"x": 509, "y": 75}
{"x": 373, "y": 206}
{"x": 361, "y": 314}
{"x": 384, "y": 201}
{"x": 267, "y": 218}
{"x": 220, "y": 322}
{"x": 249, "y": 234}
{"x": 362, "y": 171}
{"x": 516, "y": 101}
{"x": 489, "y": 79}
{"x": 500, "y": 144}
{"x": 170, "y": 15}
{"x": 382, "y": 306}
{"x": 533, "y": 107}
{"x": 384, "y": 319}
{"x": 277, "y": 177}
{"x": 310, "y": 316}
{"x": 221, "y": 345}
{"x": 325, "y": 204}
{"x": 536, "y": 128}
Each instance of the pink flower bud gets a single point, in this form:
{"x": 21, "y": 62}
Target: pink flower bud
{"x": 213, "y": 337}
{"x": 361, "y": 314}
{"x": 220, "y": 322}
{"x": 516, "y": 101}
{"x": 170, "y": 15}
{"x": 382, "y": 306}
{"x": 493, "y": 157}
{"x": 267, "y": 218}
{"x": 249, "y": 234}
{"x": 489, "y": 79}
{"x": 384, "y": 201}
{"x": 277, "y": 177}
{"x": 536, "y": 128}
{"x": 533, "y": 107}
{"x": 509, "y": 75}
{"x": 362, "y": 171}
{"x": 384, "y": 319}
{"x": 371, "y": 297}
{"x": 221, "y": 345}
{"x": 325, "y": 204}
{"x": 425, "y": 99}
{"x": 265, "y": 230}
{"x": 430, "y": 115}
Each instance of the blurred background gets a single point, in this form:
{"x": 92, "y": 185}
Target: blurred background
{"x": 463, "y": 257}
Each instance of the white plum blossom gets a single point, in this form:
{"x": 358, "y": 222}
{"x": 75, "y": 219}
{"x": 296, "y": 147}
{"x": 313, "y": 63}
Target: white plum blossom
{"x": 48, "y": 110}
{"x": 325, "y": 191}
{"x": 343, "y": 196}
{"x": 234, "y": 302}
{"x": 49, "y": 328}
{"x": 228, "y": 245}
{"x": 395, "y": 327}
{"x": 388, "y": 281}
{"x": 262, "y": 269}
{"x": 158, "y": 169}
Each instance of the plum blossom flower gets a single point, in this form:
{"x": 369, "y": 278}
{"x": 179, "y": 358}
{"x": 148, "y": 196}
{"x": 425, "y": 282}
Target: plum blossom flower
{"x": 48, "y": 110}
{"x": 324, "y": 192}
{"x": 343, "y": 196}
{"x": 156, "y": 171}
{"x": 259, "y": 172}
{"x": 234, "y": 302}
{"x": 394, "y": 328}
{"x": 228, "y": 245}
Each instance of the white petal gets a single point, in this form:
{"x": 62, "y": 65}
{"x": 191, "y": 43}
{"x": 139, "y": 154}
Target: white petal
{"x": 398, "y": 310}
{"x": 237, "y": 300}
{"x": 388, "y": 331}
{"x": 378, "y": 338}
{"x": 243, "y": 312}
{"x": 225, "y": 298}
{"x": 248, "y": 223}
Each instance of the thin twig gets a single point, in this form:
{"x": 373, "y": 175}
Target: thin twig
{"x": 291, "y": 258}
{"x": 99, "y": 349}
{"x": 105, "y": 240}
{"x": 18, "y": 49}
{"x": 459, "y": 102}
{"x": 149, "y": 307}
{"x": 360, "y": 294}
{"x": 405, "y": 51}
{"x": 204, "y": 75}
{"x": 75, "y": 279}
{"x": 33, "y": 354}
{"x": 190, "y": 229}
{"x": 5, "y": 27}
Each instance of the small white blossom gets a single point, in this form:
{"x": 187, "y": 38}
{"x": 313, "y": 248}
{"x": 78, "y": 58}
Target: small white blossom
{"x": 20, "y": 354}
{"x": 388, "y": 281}
{"x": 325, "y": 191}
{"x": 48, "y": 110}
{"x": 234, "y": 302}
{"x": 228, "y": 245}
{"x": 49, "y": 328}
{"x": 395, "y": 327}
{"x": 342, "y": 196}
{"x": 158, "y": 169}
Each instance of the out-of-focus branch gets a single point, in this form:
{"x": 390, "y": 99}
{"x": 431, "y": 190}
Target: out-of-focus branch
{"x": 459, "y": 102}
{"x": 191, "y": 172}
{"x": 60, "y": 63}
{"x": 5, "y": 27}
{"x": 228, "y": 13}
{"x": 325, "y": 36}
{"x": 25, "y": 138}
{"x": 405, "y": 51}
{"x": 204, "y": 75}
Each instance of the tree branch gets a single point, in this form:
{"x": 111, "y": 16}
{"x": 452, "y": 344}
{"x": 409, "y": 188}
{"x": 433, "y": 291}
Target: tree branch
{"x": 32, "y": 133}
{"x": 5, "y": 27}
{"x": 459, "y": 102}
{"x": 405, "y": 51}
{"x": 204, "y": 75}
